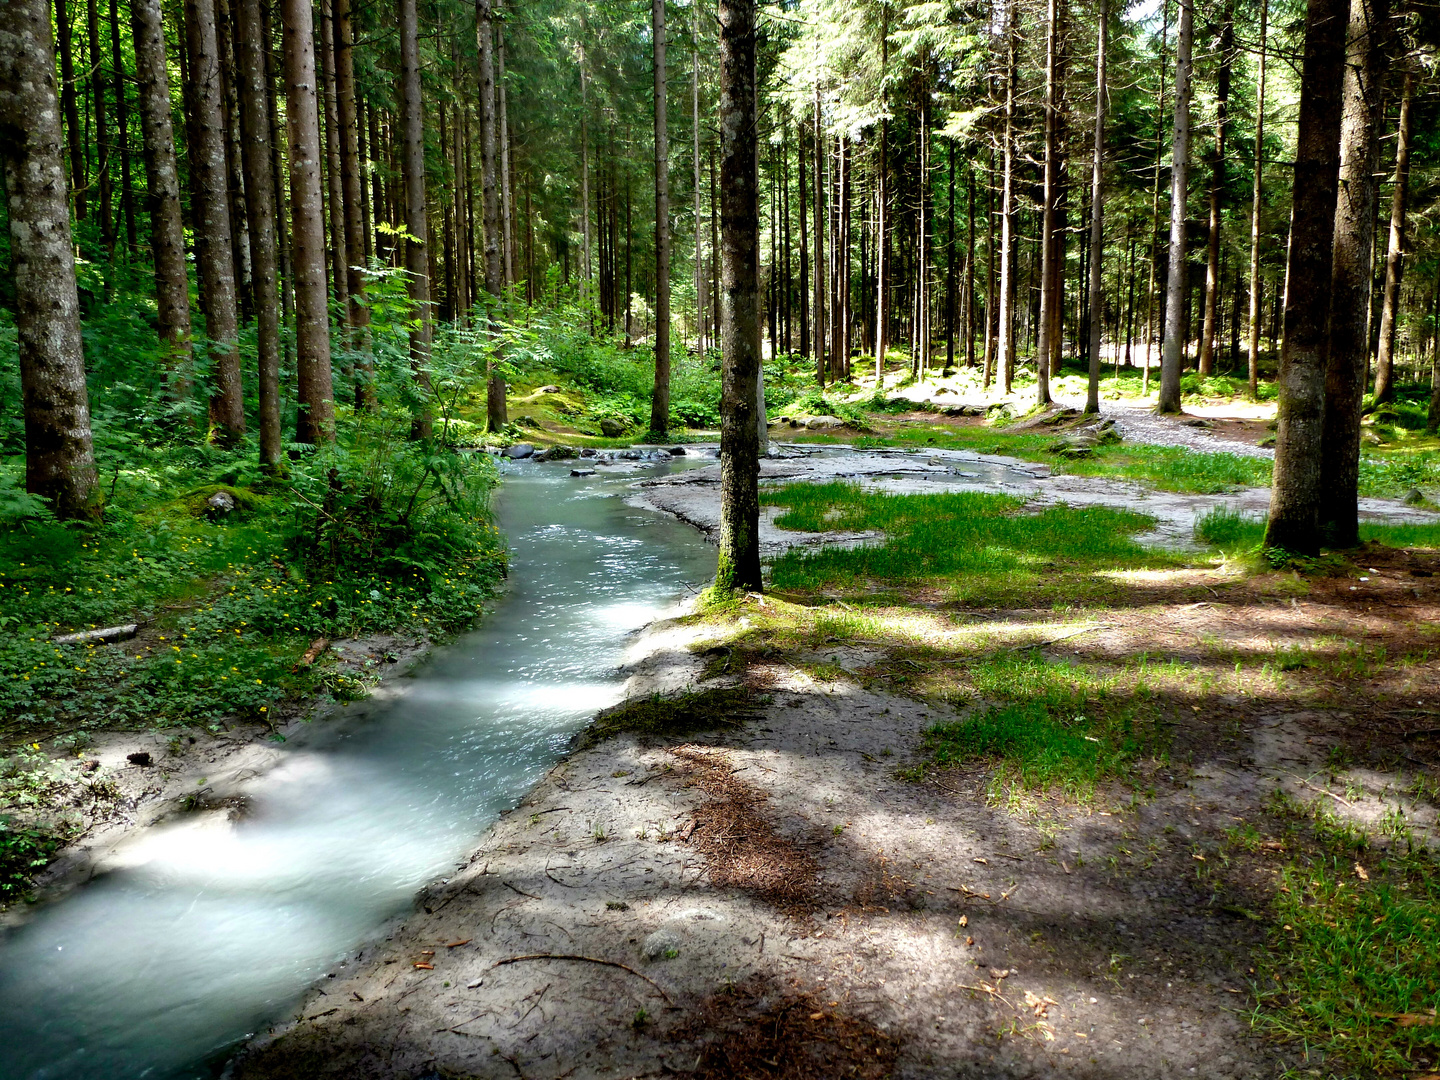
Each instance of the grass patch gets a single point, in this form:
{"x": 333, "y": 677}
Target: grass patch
{"x": 1031, "y": 749}
{"x": 1233, "y": 532}
{"x": 985, "y": 547}
{"x": 1352, "y": 968}
{"x": 657, "y": 718}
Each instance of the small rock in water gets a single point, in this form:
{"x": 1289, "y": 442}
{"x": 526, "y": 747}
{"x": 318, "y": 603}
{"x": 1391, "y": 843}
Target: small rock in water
{"x": 582, "y": 472}
{"x": 519, "y": 450}
{"x": 677, "y": 451}
{"x": 630, "y": 455}
{"x": 661, "y": 945}
{"x": 140, "y": 758}
{"x": 589, "y": 451}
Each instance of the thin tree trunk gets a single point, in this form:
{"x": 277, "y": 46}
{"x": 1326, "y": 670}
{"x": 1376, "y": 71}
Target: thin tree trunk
{"x": 585, "y": 298}
{"x": 1006, "y": 347}
{"x": 1254, "y": 325}
{"x": 334, "y": 191}
{"x": 1177, "y": 286}
{"x": 73, "y": 131}
{"x": 234, "y": 169}
{"x": 496, "y": 413}
{"x": 102, "y": 131}
{"x": 970, "y": 267}
{"x": 818, "y": 235}
{"x": 122, "y": 127}
{"x": 738, "y": 566}
{"x": 700, "y": 299}
{"x": 59, "y": 456}
{"x": 1365, "y": 62}
{"x": 1210, "y": 329}
{"x": 502, "y": 134}
{"x": 1097, "y": 210}
{"x": 379, "y": 211}
{"x": 352, "y": 200}
{"x": 1047, "y": 215}
{"x": 1296, "y": 492}
{"x": 315, "y": 421}
{"x": 162, "y": 184}
{"x": 1152, "y": 323}
{"x": 260, "y": 205}
{"x": 214, "y": 258}
{"x": 660, "y": 399}
{"x": 1395, "y": 249}
{"x": 277, "y": 154}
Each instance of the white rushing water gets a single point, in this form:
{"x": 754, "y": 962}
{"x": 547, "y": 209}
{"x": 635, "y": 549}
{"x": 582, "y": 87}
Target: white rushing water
{"x": 157, "y": 970}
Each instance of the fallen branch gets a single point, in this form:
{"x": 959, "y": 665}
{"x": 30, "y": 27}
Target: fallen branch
{"x": 583, "y": 959}
{"x": 1052, "y": 641}
{"x": 100, "y": 637}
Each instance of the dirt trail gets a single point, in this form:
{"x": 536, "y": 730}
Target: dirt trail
{"x": 671, "y": 908}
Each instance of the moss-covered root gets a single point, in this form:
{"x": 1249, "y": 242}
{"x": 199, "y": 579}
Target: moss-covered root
{"x": 658, "y": 718}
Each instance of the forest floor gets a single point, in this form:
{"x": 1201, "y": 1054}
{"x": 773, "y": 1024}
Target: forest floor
{"x": 968, "y": 793}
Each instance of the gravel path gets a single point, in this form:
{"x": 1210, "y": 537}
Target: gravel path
{"x": 1141, "y": 424}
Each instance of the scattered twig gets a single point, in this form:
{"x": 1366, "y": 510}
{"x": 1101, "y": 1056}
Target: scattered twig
{"x": 557, "y": 881}
{"x": 1052, "y": 641}
{"x": 521, "y": 891}
{"x": 1421, "y": 734}
{"x": 583, "y": 959}
{"x": 1322, "y": 791}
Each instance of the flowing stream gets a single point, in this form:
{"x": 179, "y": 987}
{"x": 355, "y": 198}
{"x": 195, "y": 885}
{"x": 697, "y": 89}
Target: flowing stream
{"x": 210, "y": 933}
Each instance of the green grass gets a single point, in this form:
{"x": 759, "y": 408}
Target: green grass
{"x": 658, "y": 717}
{"x": 1232, "y": 532}
{"x": 1351, "y": 970}
{"x": 982, "y": 545}
{"x": 1032, "y": 748}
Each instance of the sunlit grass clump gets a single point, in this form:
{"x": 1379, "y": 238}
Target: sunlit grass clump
{"x": 1231, "y": 531}
{"x": 981, "y": 544}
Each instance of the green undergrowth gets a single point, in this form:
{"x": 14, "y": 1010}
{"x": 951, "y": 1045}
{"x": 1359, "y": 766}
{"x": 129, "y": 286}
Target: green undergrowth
{"x": 982, "y": 547}
{"x": 1351, "y": 969}
{"x": 659, "y": 717}
{"x": 1234, "y": 532}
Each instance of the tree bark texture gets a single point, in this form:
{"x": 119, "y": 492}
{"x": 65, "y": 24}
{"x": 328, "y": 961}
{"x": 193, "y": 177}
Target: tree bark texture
{"x": 1097, "y": 212}
{"x": 356, "y": 312}
{"x": 660, "y": 398}
{"x": 1210, "y": 328}
{"x": 214, "y": 259}
{"x": 59, "y": 456}
{"x": 162, "y": 183}
{"x": 254, "y": 98}
{"x": 122, "y": 126}
{"x": 1050, "y": 191}
{"x": 1255, "y": 203}
{"x": 1354, "y": 242}
{"x": 416, "y": 214}
{"x": 315, "y": 422}
{"x": 1177, "y": 279}
{"x": 1395, "y": 250}
{"x": 490, "y": 207}
{"x": 1006, "y": 347}
{"x": 1294, "y": 523}
{"x": 739, "y": 562}
{"x": 64, "y": 35}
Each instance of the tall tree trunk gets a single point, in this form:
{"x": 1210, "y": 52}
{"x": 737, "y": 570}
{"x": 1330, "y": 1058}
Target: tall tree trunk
{"x": 700, "y": 298}
{"x": 1097, "y": 210}
{"x": 73, "y": 131}
{"x": 379, "y": 211}
{"x": 162, "y": 185}
{"x": 315, "y": 421}
{"x": 1210, "y": 330}
{"x": 1152, "y": 323}
{"x": 234, "y": 168}
{"x": 660, "y": 399}
{"x": 356, "y": 311}
{"x": 586, "y": 299}
{"x": 213, "y": 257}
{"x": 334, "y": 191}
{"x": 502, "y": 133}
{"x": 1296, "y": 494}
{"x": 1047, "y": 213}
{"x": 1177, "y": 285}
{"x": 1006, "y": 348}
{"x": 970, "y": 267}
{"x": 102, "y": 132}
{"x": 818, "y": 235}
{"x": 260, "y": 206}
{"x": 1254, "y": 324}
{"x": 277, "y": 174}
{"x": 496, "y": 415}
{"x": 59, "y": 456}
{"x": 1395, "y": 250}
{"x": 1365, "y": 62}
{"x": 122, "y": 127}
{"x": 739, "y": 562}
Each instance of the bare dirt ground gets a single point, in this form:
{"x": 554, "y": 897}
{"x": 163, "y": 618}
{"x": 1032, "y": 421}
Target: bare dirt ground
{"x": 779, "y": 897}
